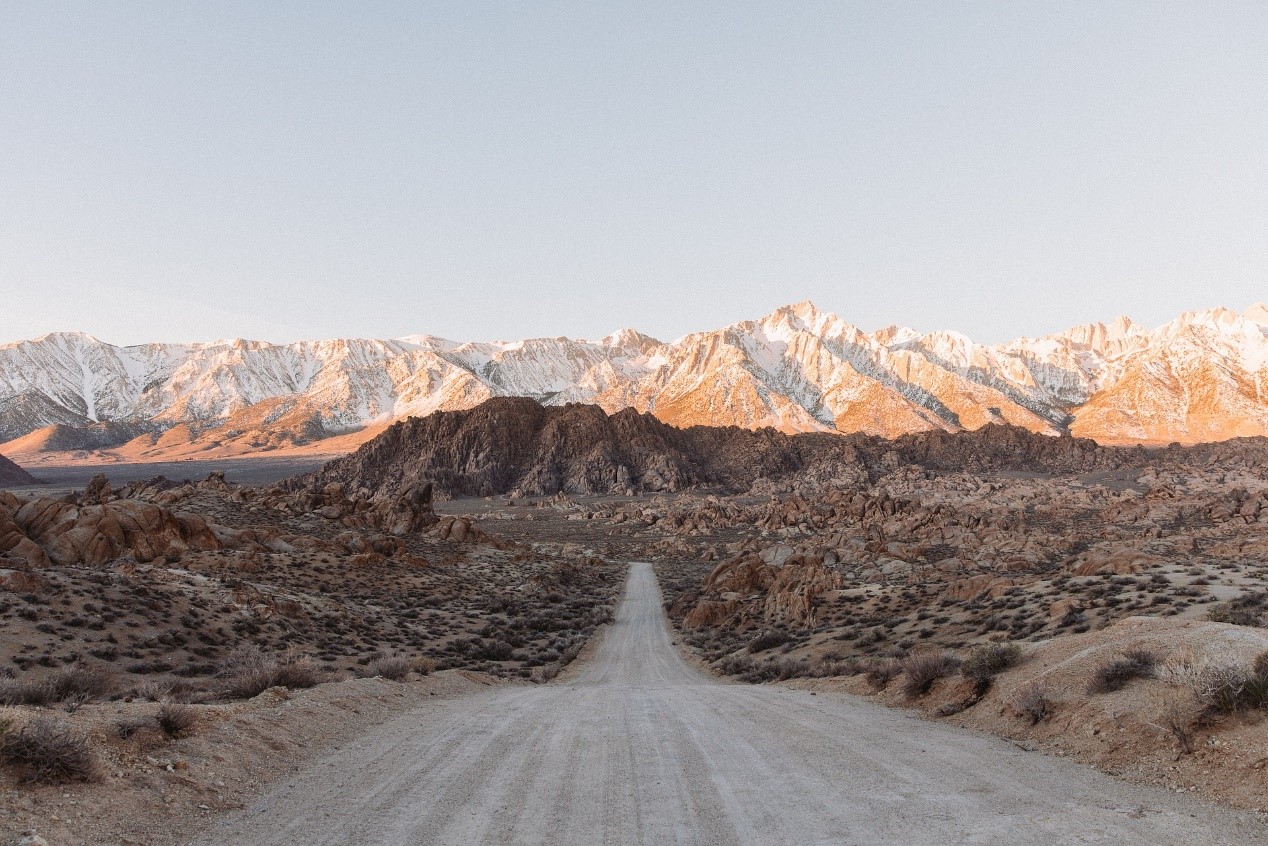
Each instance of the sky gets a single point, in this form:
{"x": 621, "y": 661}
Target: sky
{"x": 192, "y": 171}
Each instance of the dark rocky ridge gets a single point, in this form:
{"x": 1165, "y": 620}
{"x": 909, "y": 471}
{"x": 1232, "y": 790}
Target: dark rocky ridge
{"x": 11, "y": 474}
{"x": 514, "y": 444}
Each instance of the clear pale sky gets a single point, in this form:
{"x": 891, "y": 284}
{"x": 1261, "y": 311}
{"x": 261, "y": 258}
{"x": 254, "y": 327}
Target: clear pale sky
{"x": 190, "y": 171}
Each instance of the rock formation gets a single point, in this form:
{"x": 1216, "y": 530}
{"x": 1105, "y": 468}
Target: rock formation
{"x": 66, "y": 531}
{"x": 11, "y": 474}
{"x": 516, "y": 446}
{"x": 510, "y": 445}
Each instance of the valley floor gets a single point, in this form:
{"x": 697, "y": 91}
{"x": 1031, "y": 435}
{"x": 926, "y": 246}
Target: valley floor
{"x": 60, "y": 478}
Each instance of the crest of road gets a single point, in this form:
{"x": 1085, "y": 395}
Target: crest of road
{"x": 636, "y": 746}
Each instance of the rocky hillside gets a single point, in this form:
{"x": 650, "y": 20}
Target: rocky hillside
{"x": 516, "y": 444}
{"x": 1199, "y": 378}
{"x": 11, "y": 474}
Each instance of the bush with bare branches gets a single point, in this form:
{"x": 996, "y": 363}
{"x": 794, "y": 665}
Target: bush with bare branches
{"x": 47, "y": 751}
{"x": 882, "y": 671}
{"x": 1032, "y": 701}
{"x": 392, "y": 667}
{"x": 922, "y": 669}
{"x": 176, "y": 720}
{"x": 1114, "y": 675}
{"x": 249, "y": 672}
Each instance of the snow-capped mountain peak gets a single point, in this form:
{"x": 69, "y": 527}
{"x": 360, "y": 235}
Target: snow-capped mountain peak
{"x": 1202, "y": 376}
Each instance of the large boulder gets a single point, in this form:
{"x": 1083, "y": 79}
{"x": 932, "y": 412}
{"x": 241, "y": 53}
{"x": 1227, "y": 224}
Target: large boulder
{"x": 70, "y": 533}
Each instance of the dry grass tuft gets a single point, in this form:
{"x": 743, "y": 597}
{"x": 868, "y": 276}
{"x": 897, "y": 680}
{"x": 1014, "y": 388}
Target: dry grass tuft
{"x": 882, "y": 671}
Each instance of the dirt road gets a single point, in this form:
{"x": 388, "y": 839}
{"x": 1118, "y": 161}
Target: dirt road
{"x": 639, "y": 748}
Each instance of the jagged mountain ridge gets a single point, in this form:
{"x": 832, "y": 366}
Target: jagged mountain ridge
{"x": 1201, "y": 377}
{"x": 515, "y": 445}
{"x": 510, "y": 444}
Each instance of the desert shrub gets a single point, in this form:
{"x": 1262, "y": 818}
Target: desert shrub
{"x": 1227, "y": 689}
{"x": 768, "y": 640}
{"x": 735, "y": 665}
{"x": 75, "y": 701}
{"x": 126, "y": 728}
{"x": 1180, "y": 727}
{"x": 1255, "y": 694}
{"x": 922, "y": 669}
{"x": 176, "y": 720}
{"x": 882, "y": 671}
{"x": 1032, "y": 702}
{"x": 757, "y": 671}
{"x": 782, "y": 669}
{"x": 1114, "y": 675}
{"x": 833, "y": 667}
{"x": 494, "y": 650}
{"x": 1245, "y": 610}
{"x": 249, "y": 672}
{"x": 297, "y": 673}
{"x": 1221, "y": 688}
{"x": 394, "y": 667}
{"x": 151, "y": 690}
{"x": 25, "y": 692}
{"x": 990, "y": 659}
{"x": 246, "y": 684}
{"x": 81, "y": 683}
{"x": 46, "y": 751}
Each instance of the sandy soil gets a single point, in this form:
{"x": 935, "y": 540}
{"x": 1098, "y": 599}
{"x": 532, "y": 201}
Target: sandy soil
{"x": 638, "y": 747}
{"x": 156, "y": 792}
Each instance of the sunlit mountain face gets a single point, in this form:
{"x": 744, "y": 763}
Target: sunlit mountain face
{"x": 1201, "y": 377}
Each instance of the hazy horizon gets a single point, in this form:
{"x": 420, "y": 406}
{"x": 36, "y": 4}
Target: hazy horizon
{"x": 492, "y": 171}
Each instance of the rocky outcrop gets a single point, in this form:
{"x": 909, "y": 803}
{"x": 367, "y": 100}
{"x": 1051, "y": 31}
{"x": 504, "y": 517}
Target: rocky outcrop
{"x": 14, "y": 544}
{"x": 775, "y": 587}
{"x": 997, "y": 447}
{"x": 408, "y": 512}
{"x": 12, "y": 475}
{"x": 518, "y": 446}
{"x": 511, "y": 445}
{"x": 42, "y": 530}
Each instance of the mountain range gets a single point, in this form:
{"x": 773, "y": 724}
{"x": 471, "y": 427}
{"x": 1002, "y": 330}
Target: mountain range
{"x": 1201, "y": 377}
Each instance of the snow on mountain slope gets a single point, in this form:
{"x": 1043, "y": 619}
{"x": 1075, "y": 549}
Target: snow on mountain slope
{"x": 1203, "y": 376}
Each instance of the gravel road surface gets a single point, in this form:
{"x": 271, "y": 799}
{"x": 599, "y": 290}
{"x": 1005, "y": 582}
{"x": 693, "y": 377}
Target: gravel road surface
{"x": 637, "y": 747}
